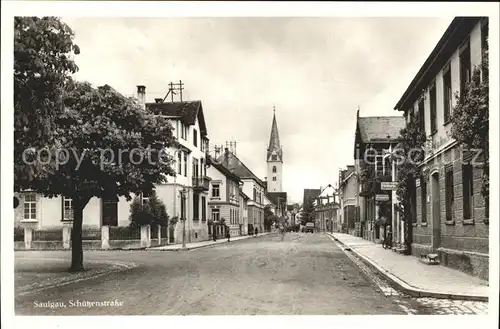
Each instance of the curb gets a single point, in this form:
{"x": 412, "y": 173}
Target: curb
{"x": 401, "y": 285}
{"x": 204, "y": 246}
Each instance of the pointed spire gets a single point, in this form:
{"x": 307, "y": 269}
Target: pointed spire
{"x": 274, "y": 140}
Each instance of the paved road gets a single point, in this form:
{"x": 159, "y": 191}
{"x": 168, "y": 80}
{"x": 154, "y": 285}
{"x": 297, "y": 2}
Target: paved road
{"x": 305, "y": 274}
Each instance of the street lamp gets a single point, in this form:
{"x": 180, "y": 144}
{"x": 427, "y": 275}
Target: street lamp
{"x": 184, "y": 193}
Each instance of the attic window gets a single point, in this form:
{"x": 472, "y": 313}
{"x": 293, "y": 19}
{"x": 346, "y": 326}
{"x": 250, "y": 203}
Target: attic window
{"x": 274, "y": 157}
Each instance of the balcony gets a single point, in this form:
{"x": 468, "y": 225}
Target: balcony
{"x": 201, "y": 183}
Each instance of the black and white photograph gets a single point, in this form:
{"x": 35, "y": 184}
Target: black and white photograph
{"x": 168, "y": 158}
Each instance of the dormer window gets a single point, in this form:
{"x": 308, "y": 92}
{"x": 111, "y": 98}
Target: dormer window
{"x": 274, "y": 169}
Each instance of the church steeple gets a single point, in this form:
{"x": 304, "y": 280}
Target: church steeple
{"x": 274, "y": 141}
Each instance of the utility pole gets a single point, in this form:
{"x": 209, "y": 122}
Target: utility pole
{"x": 173, "y": 89}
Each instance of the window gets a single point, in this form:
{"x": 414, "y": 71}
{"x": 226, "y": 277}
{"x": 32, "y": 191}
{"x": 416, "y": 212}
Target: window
{"x": 274, "y": 169}
{"x": 449, "y": 193}
{"x": 145, "y": 198}
{"x": 432, "y": 95}
{"x": 196, "y": 207}
{"x": 215, "y": 191}
{"x": 195, "y": 137}
{"x": 203, "y": 171}
{"x": 254, "y": 194}
{"x": 465, "y": 68}
{"x": 183, "y": 131}
{"x": 447, "y": 94}
{"x": 30, "y": 206}
{"x": 215, "y": 215}
{"x": 413, "y": 200}
{"x": 274, "y": 157}
{"x": 423, "y": 194}
{"x": 195, "y": 167}
{"x": 67, "y": 209}
{"x": 421, "y": 115}
{"x": 203, "y": 209}
{"x": 185, "y": 164}
{"x": 274, "y": 179}
{"x": 179, "y": 162}
{"x": 467, "y": 185}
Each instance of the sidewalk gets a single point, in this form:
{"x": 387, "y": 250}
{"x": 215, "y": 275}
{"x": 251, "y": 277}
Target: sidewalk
{"x": 201, "y": 244}
{"x": 408, "y": 274}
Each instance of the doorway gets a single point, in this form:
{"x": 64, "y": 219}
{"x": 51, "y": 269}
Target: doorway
{"x": 436, "y": 212}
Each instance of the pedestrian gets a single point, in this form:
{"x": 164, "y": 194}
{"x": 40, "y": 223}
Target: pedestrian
{"x": 256, "y": 231}
{"x": 214, "y": 235}
{"x": 389, "y": 237}
{"x": 228, "y": 235}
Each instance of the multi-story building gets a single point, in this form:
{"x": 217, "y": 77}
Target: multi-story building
{"x": 451, "y": 215}
{"x": 244, "y": 213}
{"x": 190, "y": 130}
{"x": 326, "y": 209}
{"x": 347, "y": 200}
{"x": 373, "y": 137}
{"x": 224, "y": 200}
{"x": 253, "y": 186}
{"x": 185, "y": 195}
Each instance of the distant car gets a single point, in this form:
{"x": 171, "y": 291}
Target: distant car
{"x": 309, "y": 227}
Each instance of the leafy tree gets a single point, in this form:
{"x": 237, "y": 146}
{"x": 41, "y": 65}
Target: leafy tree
{"x": 410, "y": 154}
{"x": 111, "y": 147}
{"x": 153, "y": 212}
{"x": 470, "y": 117}
{"x": 43, "y": 64}
{"x": 269, "y": 217}
{"x": 307, "y": 212}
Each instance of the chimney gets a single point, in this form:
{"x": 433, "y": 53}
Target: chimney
{"x": 141, "y": 95}
{"x": 226, "y": 156}
{"x": 158, "y": 100}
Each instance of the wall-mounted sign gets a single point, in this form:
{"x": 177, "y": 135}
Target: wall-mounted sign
{"x": 381, "y": 197}
{"x": 389, "y": 186}
{"x": 417, "y": 182}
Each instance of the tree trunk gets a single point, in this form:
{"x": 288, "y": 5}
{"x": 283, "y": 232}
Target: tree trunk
{"x": 76, "y": 236}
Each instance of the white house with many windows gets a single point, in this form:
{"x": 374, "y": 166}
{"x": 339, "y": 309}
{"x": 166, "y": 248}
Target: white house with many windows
{"x": 190, "y": 131}
{"x": 224, "y": 201}
{"x": 252, "y": 186}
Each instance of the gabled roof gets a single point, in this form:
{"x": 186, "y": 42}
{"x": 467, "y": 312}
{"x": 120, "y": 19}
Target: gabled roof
{"x": 187, "y": 112}
{"x": 226, "y": 172}
{"x": 311, "y": 194}
{"x": 380, "y": 129}
{"x": 238, "y": 168}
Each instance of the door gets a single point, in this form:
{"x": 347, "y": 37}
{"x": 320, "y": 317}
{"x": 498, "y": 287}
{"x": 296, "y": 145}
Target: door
{"x": 436, "y": 212}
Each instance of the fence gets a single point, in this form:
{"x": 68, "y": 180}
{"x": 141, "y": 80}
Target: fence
{"x": 48, "y": 235}
{"x": 124, "y": 233}
{"x": 92, "y": 238}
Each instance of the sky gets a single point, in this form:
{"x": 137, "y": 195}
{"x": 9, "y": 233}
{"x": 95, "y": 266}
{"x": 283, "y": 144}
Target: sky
{"x": 316, "y": 72}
